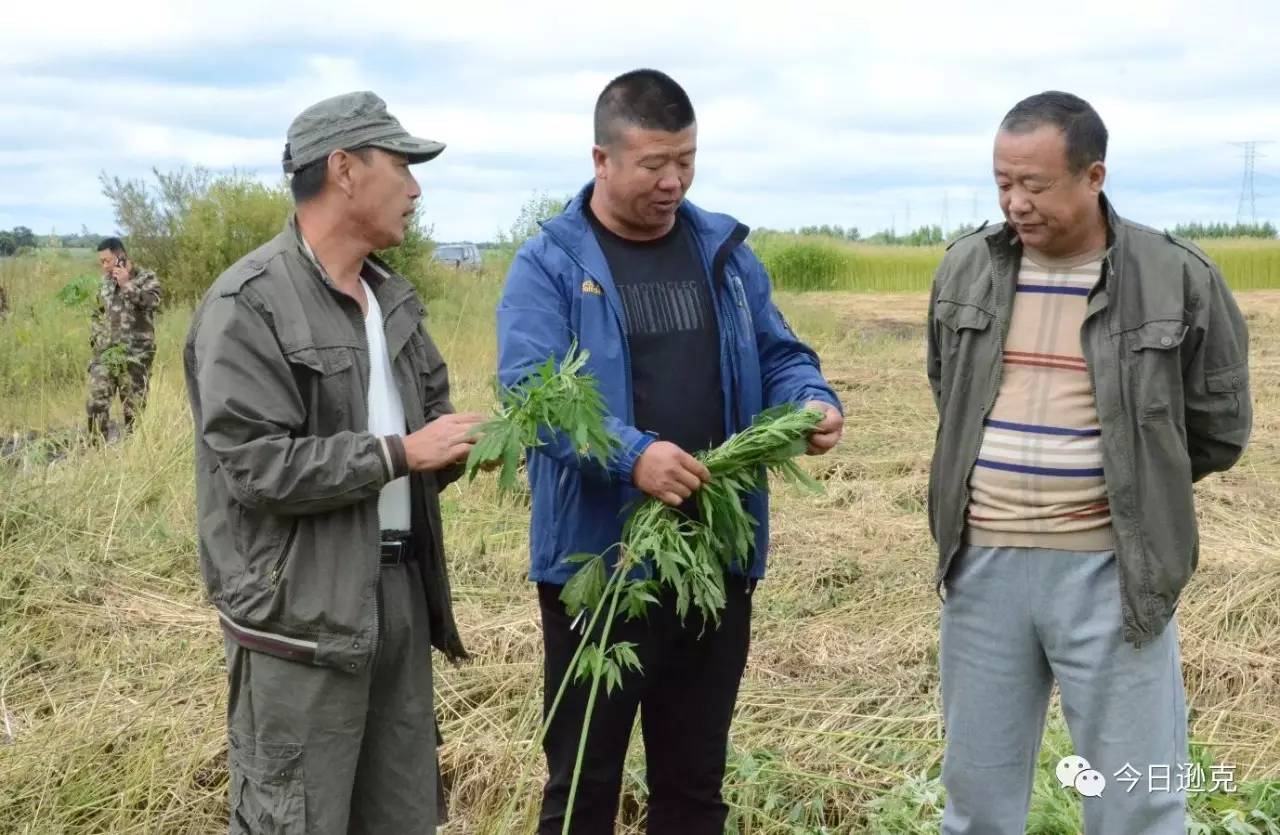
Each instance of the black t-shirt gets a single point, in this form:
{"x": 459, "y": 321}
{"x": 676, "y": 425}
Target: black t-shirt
{"x": 672, "y": 333}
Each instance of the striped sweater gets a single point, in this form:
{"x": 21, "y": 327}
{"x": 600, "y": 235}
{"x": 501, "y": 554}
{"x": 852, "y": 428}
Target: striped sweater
{"x": 1038, "y": 482}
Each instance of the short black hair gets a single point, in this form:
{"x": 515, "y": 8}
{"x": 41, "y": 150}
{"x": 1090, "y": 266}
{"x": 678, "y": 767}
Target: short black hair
{"x": 308, "y": 181}
{"x": 113, "y": 245}
{"x": 645, "y": 98}
{"x": 1080, "y": 124}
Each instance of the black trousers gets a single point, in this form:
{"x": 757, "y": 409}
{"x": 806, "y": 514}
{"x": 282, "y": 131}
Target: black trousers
{"x": 685, "y": 695}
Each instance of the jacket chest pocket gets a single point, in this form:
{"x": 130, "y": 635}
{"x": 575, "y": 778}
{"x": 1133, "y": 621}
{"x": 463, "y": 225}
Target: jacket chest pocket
{"x": 1154, "y": 360}
{"x": 328, "y": 380}
{"x": 964, "y": 336}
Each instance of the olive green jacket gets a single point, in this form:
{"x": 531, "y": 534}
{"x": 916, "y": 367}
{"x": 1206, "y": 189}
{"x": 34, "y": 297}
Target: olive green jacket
{"x": 1167, "y": 351}
{"x": 287, "y": 474}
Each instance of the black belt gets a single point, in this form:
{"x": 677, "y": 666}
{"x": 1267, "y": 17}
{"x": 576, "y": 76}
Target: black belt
{"x": 396, "y": 548}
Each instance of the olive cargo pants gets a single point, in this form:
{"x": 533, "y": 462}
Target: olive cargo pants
{"x": 319, "y": 750}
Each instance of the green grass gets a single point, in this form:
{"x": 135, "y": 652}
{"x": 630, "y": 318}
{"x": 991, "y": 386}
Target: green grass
{"x": 819, "y": 263}
{"x": 44, "y": 339}
{"x": 1247, "y": 263}
{"x": 112, "y": 689}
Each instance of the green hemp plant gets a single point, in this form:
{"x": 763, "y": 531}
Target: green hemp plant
{"x": 116, "y": 360}
{"x": 560, "y": 400}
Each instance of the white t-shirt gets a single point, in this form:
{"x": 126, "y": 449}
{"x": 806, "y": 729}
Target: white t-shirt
{"x": 386, "y": 414}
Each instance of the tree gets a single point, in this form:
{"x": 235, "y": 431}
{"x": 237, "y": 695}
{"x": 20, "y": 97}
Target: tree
{"x": 539, "y": 207}
{"x": 189, "y": 226}
{"x": 826, "y": 230}
{"x": 23, "y": 237}
{"x": 1225, "y": 230}
{"x": 8, "y": 244}
{"x": 151, "y": 216}
{"x": 84, "y": 239}
{"x": 214, "y": 227}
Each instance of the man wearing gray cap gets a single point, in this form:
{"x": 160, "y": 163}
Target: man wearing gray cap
{"x": 324, "y": 434}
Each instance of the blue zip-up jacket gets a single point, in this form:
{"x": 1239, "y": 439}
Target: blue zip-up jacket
{"x": 559, "y": 290}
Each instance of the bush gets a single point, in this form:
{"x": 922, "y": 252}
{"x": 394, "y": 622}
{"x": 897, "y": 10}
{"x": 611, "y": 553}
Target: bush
{"x": 234, "y": 216}
{"x": 797, "y": 262}
{"x": 803, "y": 264}
{"x": 538, "y": 208}
{"x": 79, "y": 291}
{"x": 191, "y": 225}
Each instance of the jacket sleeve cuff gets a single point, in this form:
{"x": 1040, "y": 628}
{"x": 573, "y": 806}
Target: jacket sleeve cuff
{"x": 632, "y": 444}
{"x": 799, "y": 398}
{"x": 131, "y": 291}
{"x": 826, "y": 397}
{"x": 394, "y": 459}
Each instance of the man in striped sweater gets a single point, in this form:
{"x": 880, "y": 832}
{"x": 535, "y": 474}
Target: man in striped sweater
{"x": 1086, "y": 371}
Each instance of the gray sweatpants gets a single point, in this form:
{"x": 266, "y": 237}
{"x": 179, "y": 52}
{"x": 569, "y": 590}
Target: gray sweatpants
{"x": 319, "y": 751}
{"x": 1016, "y": 619}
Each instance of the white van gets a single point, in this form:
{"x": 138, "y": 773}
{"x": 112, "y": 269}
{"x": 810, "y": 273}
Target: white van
{"x": 459, "y": 256}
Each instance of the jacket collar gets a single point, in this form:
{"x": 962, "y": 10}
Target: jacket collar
{"x": 389, "y": 288}
{"x": 1003, "y": 236}
{"x": 572, "y": 231}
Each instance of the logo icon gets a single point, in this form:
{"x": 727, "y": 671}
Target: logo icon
{"x": 1075, "y": 773}
{"x": 1090, "y": 783}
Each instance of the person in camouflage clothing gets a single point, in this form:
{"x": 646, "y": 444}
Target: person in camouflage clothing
{"x": 123, "y": 337}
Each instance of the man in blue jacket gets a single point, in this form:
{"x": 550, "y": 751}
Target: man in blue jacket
{"x": 687, "y": 347}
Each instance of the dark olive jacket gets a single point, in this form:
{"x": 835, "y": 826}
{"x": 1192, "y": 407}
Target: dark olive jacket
{"x": 1167, "y": 351}
{"x": 287, "y": 473}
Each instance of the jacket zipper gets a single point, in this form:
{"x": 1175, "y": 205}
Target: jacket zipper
{"x": 357, "y": 322}
{"x": 718, "y": 272}
{"x": 1093, "y": 389}
{"x": 377, "y": 614}
{"x": 1093, "y": 385}
{"x": 377, "y": 565}
{"x": 558, "y": 498}
{"x": 986, "y": 413}
{"x": 278, "y": 568}
{"x": 733, "y": 405}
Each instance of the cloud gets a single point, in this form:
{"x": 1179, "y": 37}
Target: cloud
{"x": 825, "y": 112}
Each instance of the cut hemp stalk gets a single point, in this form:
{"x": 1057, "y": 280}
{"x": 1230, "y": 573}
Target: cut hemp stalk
{"x": 660, "y": 545}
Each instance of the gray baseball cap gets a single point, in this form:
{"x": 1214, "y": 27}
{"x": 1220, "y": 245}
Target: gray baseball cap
{"x": 347, "y": 122}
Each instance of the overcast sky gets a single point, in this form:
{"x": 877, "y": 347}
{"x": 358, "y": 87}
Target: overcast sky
{"x": 852, "y": 113}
